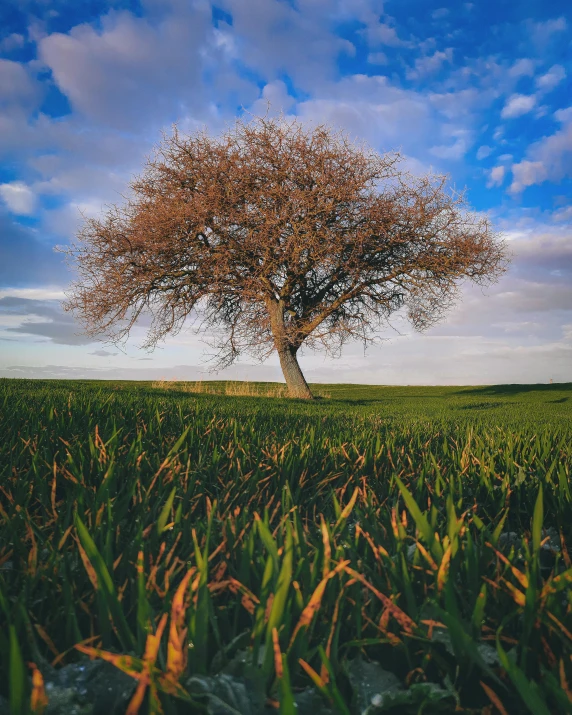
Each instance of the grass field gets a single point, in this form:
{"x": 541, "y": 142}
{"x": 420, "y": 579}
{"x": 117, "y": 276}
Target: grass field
{"x": 381, "y": 549}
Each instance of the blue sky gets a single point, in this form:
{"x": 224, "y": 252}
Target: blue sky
{"x": 480, "y": 91}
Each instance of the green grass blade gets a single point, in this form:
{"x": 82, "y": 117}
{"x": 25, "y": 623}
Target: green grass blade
{"x": 17, "y": 675}
{"x": 527, "y": 690}
{"x": 165, "y": 512}
{"x": 106, "y": 585}
{"x": 287, "y": 702}
{"x": 280, "y": 598}
{"x": 269, "y": 543}
{"x": 420, "y": 520}
{"x": 537, "y": 519}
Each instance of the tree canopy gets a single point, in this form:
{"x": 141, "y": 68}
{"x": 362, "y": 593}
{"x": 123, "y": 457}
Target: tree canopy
{"x": 278, "y": 235}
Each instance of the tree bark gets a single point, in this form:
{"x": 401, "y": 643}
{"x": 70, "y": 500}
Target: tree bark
{"x": 295, "y": 380}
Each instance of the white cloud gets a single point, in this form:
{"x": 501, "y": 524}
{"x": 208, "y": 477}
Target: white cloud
{"x": 463, "y": 104}
{"x": 18, "y": 197}
{"x": 542, "y": 32}
{"x": 17, "y": 87}
{"x": 65, "y": 221}
{"x": 496, "y": 176}
{"x": 274, "y": 37}
{"x": 103, "y": 353}
{"x": 373, "y": 109}
{"x": 563, "y": 115}
{"x": 527, "y": 173}
{"x": 451, "y": 151}
{"x": 380, "y": 33}
{"x": 542, "y": 250}
{"x": 225, "y": 40}
{"x": 484, "y": 151}
{"x": 525, "y": 314}
{"x": 377, "y": 58}
{"x": 563, "y": 215}
{"x": 549, "y": 159}
{"x": 430, "y": 64}
{"x": 463, "y": 141}
{"x": 518, "y": 327}
{"x": 277, "y": 94}
{"x": 553, "y": 77}
{"x": 109, "y": 74}
{"x": 40, "y": 294}
{"x": 12, "y": 42}
{"x": 522, "y": 68}
{"x": 517, "y": 105}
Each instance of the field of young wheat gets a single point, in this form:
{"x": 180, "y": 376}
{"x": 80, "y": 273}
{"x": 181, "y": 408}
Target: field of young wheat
{"x": 378, "y": 550}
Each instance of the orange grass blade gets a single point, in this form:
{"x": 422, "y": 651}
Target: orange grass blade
{"x": 64, "y": 537}
{"x": 443, "y": 569}
{"x": 46, "y": 638}
{"x": 53, "y": 494}
{"x": 277, "y": 655}
{"x": 557, "y": 583}
{"x": 563, "y": 681}
{"x": 423, "y": 551}
{"x": 347, "y": 510}
{"x": 520, "y": 577}
{"x": 88, "y": 567}
{"x": 38, "y": 698}
{"x": 315, "y": 601}
{"x": 407, "y": 623}
{"x": 33, "y": 555}
{"x": 127, "y": 663}
{"x": 249, "y": 600}
{"x": 327, "y": 546}
{"x": 560, "y": 625}
{"x": 61, "y": 656}
{"x": 137, "y": 700}
{"x": 494, "y": 698}
{"x": 176, "y": 661}
{"x": 518, "y": 596}
{"x": 318, "y": 682}
{"x": 149, "y": 658}
{"x": 153, "y": 643}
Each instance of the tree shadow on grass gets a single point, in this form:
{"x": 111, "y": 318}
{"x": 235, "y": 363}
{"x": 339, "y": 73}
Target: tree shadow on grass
{"x": 481, "y": 405}
{"x": 385, "y": 398}
{"x": 507, "y": 390}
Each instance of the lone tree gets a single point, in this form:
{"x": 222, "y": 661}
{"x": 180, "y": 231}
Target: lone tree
{"x": 278, "y": 235}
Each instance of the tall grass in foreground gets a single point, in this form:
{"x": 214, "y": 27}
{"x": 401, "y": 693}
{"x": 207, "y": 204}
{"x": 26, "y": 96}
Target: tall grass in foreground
{"x": 402, "y": 552}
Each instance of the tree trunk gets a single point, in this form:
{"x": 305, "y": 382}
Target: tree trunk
{"x": 295, "y": 380}
{"x": 297, "y": 385}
